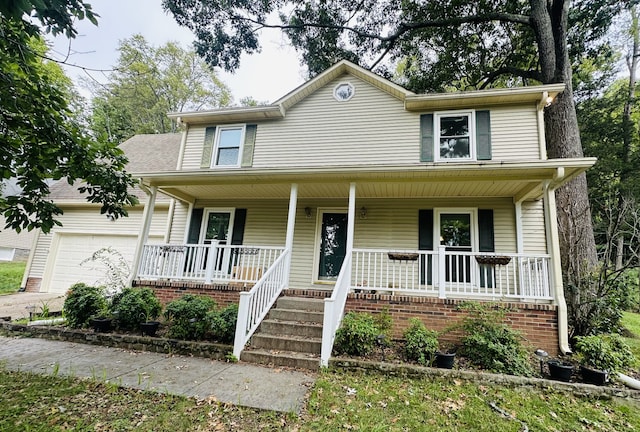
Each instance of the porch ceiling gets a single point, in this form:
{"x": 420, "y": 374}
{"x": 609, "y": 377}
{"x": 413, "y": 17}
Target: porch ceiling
{"x": 517, "y": 180}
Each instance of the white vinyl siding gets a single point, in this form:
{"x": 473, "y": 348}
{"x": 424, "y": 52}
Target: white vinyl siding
{"x": 533, "y": 227}
{"x": 514, "y": 133}
{"x": 194, "y": 144}
{"x": 179, "y": 222}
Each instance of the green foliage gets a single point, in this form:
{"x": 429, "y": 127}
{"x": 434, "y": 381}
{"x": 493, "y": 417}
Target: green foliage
{"x": 147, "y": 83}
{"x": 135, "y": 305}
{"x": 359, "y": 333}
{"x": 491, "y": 344}
{"x": 114, "y": 267}
{"x": 628, "y": 290}
{"x": 190, "y": 317}
{"x": 41, "y": 139}
{"x": 420, "y": 343}
{"x": 82, "y": 303}
{"x": 607, "y": 352}
{"x": 223, "y": 324}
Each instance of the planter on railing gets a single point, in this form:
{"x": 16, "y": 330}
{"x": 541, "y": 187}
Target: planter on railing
{"x": 493, "y": 259}
{"x": 403, "y": 256}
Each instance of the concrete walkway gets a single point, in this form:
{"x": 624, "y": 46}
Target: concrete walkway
{"x": 236, "y": 383}
{"x": 17, "y": 305}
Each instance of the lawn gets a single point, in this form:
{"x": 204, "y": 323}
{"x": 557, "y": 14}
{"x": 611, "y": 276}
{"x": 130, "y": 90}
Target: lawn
{"x": 339, "y": 401}
{"x": 11, "y": 276}
{"x": 631, "y": 323}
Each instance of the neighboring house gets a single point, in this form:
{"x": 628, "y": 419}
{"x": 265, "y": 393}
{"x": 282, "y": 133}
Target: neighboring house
{"x": 14, "y": 246}
{"x": 56, "y": 261}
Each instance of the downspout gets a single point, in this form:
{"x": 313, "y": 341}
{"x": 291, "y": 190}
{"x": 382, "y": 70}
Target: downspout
{"x": 553, "y": 249}
{"x": 542, "y": 144}
{"x": 143, "y": 237}
{"x": 519, "y": 235}
{"x": 291, "y": 224}
{"x": 170, "y": 214}
{"x": 351, "y": 218}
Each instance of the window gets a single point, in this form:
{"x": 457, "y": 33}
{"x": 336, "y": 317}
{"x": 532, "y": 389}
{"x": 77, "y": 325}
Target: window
{"x": 227, "y": 146}
{"x": 454, "y": 136}
{"x": 343, "y": 92}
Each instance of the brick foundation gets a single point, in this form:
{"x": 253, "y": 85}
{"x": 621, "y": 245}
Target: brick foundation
{"x": 33, "y": 284}
{"x": 538, "y": 323}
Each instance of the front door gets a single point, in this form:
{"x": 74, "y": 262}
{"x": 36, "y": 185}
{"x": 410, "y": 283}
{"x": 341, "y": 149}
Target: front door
{"x": 456, "y": 235}
{"x": 333, "y": 245}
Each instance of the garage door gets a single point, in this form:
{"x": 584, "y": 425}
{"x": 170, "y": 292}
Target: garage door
{"x": 73, "y": 249}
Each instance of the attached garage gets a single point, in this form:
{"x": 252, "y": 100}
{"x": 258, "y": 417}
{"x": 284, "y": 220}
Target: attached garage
{"x": 68, "y": 251}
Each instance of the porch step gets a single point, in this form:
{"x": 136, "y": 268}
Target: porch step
{"x": 300, "y": 344}
{"x": 291, "y": 328}
{"x": 282, "y": 358}
{"x": 300, "y": 304}
{"x": 296, "y": 315}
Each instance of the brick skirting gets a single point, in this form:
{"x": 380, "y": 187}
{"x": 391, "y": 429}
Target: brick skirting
{"x": 538, "y": 323}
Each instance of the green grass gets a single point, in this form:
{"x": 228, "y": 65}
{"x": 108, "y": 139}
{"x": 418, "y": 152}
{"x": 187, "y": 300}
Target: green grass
{"x": 631, "y": 322}
{"x": 11, "y": 276}
{"x": 340, "y": 401}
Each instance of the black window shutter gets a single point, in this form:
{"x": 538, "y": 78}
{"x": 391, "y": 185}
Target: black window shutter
{"x": 249, "y": 144}
{"x": 237, "y": 236}
{"x": 483, "y": 135}
{"x": 426, "y": 138}
{"x": 194, "y": 227}
{"x": 425, "y": 242}
{"x": 207, "y": 147}
{"x": 485, "y": 225}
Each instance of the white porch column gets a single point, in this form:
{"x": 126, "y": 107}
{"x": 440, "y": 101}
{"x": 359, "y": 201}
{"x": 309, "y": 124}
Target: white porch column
{"x": 291, "y": 225}
{"x": 519, "y": 236}
{"x": 553, "y": 249}
{"x": 351, "y": 217}
{"x": 143, "y": 237}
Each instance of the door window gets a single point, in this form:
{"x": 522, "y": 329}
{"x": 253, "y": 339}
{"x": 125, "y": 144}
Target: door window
{"x": 456, "y": 234}
{"x": 333, "y": 245}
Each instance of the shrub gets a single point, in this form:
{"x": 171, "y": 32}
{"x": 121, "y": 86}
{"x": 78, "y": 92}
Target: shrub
{"x": 607, "y": 352}
{"x": 358, "y": 334}
{"x": 135, "y": 305}
{"x": 223, "y": 324}
{"x": 189, "y": 317}
{"x": 420, "y": 343}
{"x": 491, "y": 344}
{"x": 82, "y": 303}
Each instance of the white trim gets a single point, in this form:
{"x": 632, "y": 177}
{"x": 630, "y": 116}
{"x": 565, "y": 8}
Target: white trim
{"x": 473, "y": 211}
{"x": 317, "y": 243}
{"x": 472, "y": 135}
{"x": 214, "y": 151}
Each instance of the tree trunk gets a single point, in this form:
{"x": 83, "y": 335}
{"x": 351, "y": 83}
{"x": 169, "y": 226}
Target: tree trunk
{"x": 577, "y": 243}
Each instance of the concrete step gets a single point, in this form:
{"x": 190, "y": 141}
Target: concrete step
{"x": 296, "y": 315}
{"x": 300, "y": 303}
{"x": 291, "y": 328}
{"x": 286, "y": 343}
{"x": 282, "y": 358}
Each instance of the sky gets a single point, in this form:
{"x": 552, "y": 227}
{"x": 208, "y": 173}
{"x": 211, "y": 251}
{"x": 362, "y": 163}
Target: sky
{"x": 266, "y": 76}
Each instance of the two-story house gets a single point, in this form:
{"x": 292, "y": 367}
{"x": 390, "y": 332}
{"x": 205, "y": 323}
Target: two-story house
{"x": 352, "y": 190}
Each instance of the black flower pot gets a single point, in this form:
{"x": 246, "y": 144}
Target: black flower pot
{"x": 101, "y": 325}
{"x": 445, "y": 360}
{"x": 594, "y": 376}
{"x": 149, "y": 328}
{"x": 560, "y": 371}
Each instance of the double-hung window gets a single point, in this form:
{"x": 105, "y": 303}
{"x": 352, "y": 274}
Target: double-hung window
{"x": 455, "y": 138}
{"x": 228, "y": 146}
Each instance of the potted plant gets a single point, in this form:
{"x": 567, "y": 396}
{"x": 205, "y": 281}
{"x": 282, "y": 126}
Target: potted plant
{"x": 445, "y": 358}
{"x": 601, "y": 355}
{"x": 101, "y": 322}
{"x": 137, "y": 308}
{"x": 559, "y": 370}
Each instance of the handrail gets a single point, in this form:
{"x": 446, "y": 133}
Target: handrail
{"x": 255, "y": 304}
{"x": 334, "y": 310}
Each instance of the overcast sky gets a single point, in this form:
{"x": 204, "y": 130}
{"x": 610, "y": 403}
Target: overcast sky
{"x": 265, "y": 77}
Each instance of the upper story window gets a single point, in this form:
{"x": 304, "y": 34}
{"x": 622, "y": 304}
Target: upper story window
{"x": 454, "y": 136}
{"x": 227, "y": 146}
{"x": 343, "y": 92}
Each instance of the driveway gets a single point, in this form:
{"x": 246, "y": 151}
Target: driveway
{"x": 19, "y": 304}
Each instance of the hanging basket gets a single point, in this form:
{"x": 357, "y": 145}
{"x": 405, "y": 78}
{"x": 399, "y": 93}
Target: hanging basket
{"x": 403, "y": 256}
{"x": 493, "y": 259}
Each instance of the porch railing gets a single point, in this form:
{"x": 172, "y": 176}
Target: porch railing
{"x": 334, "y": 310}
{"x": 255, "y": 304}
{"x": 445, "y": 274}
{"x": 212, "y": 263}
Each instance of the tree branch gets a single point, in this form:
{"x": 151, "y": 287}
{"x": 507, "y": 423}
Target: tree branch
{"x": 510, "y": 70}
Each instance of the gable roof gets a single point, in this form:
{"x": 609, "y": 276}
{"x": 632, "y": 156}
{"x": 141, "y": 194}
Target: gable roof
{"x": 146, "y": 152}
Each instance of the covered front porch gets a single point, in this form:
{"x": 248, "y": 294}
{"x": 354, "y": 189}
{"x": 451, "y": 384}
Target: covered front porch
{"x": 459, "y": 233}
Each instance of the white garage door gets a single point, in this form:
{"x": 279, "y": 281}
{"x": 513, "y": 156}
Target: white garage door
{"x": 73, "y": 249}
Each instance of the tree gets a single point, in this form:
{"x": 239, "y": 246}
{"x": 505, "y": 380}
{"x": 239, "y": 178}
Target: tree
{"x": 40, "y": 139}
{"x": 439, "y": 45}
{"x": 147, "y": 83}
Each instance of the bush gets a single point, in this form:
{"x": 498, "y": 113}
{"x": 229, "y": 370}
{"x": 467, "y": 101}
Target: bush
{"x": 420, "y": 343}
{"x": 189, "y": 317}
{"x": 82, "y": 303}
{"x": 135, "y": 305}
{"x": 223, "y": 324}
{"x": 606, "y": 352}
{"x": 358, "y": 334}
{"x": 491, "y": 344}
